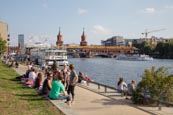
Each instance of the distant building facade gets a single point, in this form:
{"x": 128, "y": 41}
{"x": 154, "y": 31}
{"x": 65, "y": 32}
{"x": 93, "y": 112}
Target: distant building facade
{"x": 4, "y": 31}
{"x": 114, "y": 41}
{"x": 21, "y": 40}
{"x": 153, "y": 40}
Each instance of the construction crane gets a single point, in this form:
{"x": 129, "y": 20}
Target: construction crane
{"x": 147, "y": 32}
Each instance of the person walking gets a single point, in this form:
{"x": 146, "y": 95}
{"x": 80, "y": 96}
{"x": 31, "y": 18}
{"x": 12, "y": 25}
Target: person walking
{"x": 72, "y": 81}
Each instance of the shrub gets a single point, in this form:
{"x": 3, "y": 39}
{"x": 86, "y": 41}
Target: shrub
{"x": 156, "y": 84}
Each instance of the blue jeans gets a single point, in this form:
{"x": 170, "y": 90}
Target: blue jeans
{"x": 62, "y": 97}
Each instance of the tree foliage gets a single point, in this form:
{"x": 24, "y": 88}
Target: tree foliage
{"x": 156, "y": 84}
{"x": 3, "y": 46}
{"x": 165, "y": 50}
{"x": 162, "y": 49}
{"x": 144, "y": 48}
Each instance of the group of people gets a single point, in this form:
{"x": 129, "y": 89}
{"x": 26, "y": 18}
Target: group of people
{"x": 54, "y": 83}
{"x": 124, "y": 88}
{"x": 9, "y": 60}
{"x": 60, "y": 84}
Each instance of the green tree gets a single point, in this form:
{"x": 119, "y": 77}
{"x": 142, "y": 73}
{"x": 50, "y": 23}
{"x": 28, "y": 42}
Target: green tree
{"x": 159, "y": 48}
{"x": 157, "y": 84}
{"x": 165, "y": 49}
{"x": 3, "y": 46}
{"x": 144, "y": 48}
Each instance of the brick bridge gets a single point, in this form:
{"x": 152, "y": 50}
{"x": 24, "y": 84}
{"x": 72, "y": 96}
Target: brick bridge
{"x": 101, "y": 51}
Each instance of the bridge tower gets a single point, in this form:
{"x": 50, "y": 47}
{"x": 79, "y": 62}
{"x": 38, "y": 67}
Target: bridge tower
{"x": 83, "y": 39}
{"x": 59, "y": 39}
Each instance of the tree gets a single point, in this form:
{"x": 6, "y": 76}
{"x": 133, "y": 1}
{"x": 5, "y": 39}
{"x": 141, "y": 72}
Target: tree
{"x": 3, "y": 46}
{"x": 156, "y": 84}
{"x": 144, "y": 48}
{"x": 165, "y": 49}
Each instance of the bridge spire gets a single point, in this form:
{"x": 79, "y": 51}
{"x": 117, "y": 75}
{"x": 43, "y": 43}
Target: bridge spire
{"x": 83, "y": 39}
{"x": 59, "y": 38}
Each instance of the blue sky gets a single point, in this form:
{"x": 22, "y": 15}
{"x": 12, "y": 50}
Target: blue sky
{"x": 39, "y": 20}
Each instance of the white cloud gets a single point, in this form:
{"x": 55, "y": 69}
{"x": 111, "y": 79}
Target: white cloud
{"x": 164, "y": 9}
{"x": 98, "y": 29}
{"x": 149, "y": 10}
{"x": 168, "y": 7}
{"x": 82, "y": 11}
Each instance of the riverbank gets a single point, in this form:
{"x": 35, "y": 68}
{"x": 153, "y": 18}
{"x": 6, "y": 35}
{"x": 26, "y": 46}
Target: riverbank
{"x": 90, "y": 100}
{"x": 16, "y": 99}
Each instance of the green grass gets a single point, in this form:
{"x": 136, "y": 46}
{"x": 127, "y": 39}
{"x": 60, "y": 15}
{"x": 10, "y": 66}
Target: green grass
{"x": 17, "y": 99}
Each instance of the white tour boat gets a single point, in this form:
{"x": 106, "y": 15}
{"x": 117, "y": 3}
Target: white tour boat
{"x": 134, "y": 57}
{"x": 49, "y": 55}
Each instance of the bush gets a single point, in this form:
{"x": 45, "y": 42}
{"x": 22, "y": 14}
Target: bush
{"x": 156, "y": 84}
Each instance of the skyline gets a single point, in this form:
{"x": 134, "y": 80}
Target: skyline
{"x": 39, "y": 20}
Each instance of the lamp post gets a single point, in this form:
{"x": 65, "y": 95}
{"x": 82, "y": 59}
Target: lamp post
{"x": 8, "y": 41}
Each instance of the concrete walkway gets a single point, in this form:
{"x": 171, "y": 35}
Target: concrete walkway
{"x": 91, "y": 101}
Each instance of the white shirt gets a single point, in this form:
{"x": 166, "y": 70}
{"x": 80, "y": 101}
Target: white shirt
{"x": 32, "y": 76}
{"x": 122, "y": 86}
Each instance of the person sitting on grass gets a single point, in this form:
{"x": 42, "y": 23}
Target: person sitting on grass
{"x": 47, "y": 85}
{"x": 31, "y": 78}
{"x": 38, "y": 81}
{"x": 58, "y": 90}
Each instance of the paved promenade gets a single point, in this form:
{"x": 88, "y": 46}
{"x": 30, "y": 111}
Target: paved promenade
{"x": 91, "y": 101}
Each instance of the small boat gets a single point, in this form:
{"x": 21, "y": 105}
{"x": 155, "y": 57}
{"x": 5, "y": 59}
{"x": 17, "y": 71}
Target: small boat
{"x": 134, "y": 57}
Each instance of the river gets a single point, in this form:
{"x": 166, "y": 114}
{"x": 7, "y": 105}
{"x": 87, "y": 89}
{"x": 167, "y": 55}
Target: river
{"x": 108, "y": 70}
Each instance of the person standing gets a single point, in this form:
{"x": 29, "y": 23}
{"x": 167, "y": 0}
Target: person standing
{"x": 55, "y": 66}
{"x": 72, "y": 81}
{"x": 65, "y": 73}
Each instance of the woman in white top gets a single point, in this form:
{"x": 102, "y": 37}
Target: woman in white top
{"x": 122, "y": 86}
{"x": 32, "y": 77}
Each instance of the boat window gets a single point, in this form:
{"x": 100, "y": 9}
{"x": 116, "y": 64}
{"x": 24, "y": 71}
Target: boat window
{"x": 57, "y": 53}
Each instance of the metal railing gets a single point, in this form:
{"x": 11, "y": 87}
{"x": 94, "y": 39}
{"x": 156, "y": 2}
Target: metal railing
{"x": 101, "y": 85}
{"x": 159, "y": 102}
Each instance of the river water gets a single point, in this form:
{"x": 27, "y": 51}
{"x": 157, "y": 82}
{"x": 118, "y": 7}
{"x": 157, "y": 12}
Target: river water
{"x": 108, "y": 70}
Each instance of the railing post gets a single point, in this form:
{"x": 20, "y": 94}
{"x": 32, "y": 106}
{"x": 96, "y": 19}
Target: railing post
{"x": 159, "y": 106}
{"x": 98, "y": 86}
{"x": 87, "y": 83}
{"x": 105, "y": 89}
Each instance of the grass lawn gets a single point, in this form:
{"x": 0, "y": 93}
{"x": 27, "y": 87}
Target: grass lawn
{"x": 16, "y": 99}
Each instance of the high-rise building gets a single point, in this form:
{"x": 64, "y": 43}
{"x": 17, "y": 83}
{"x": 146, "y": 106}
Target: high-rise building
{"x": 21, "y": 40}
{"x": 4, "y": 31}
